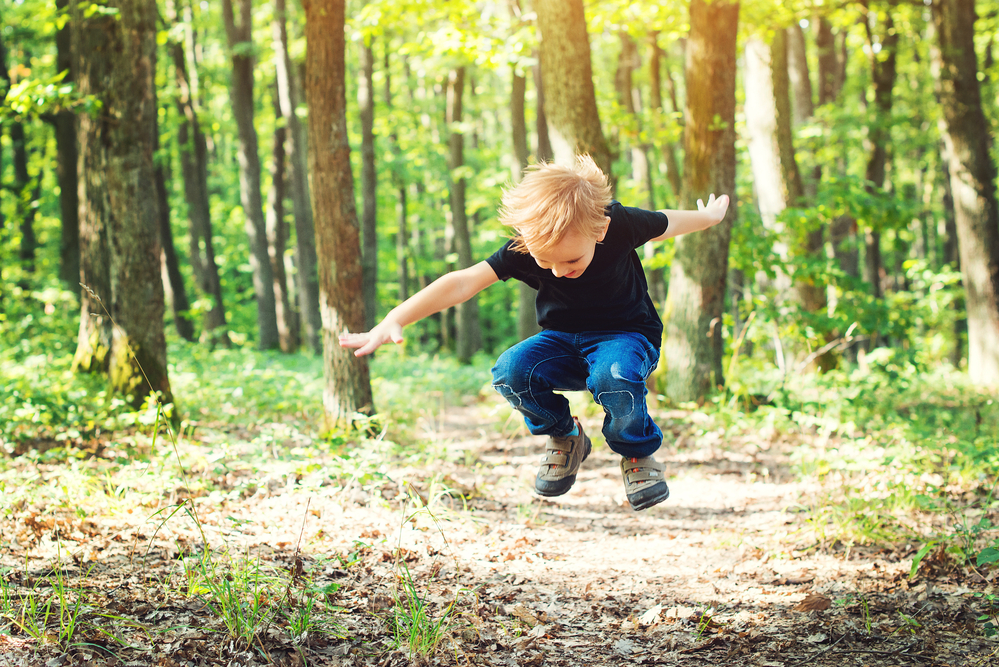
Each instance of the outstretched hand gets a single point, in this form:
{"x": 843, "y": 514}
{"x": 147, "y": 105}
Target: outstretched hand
{"x": 715, "y": 208}
{"x": 366, "y": 343}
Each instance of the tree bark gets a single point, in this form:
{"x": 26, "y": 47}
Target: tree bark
{"x": 545, "y": 152}
{"x": 173, "y": 281}
{"x": 695, "y": 303}
{"x": 277, "y": 239}
{"x": 67, "y": 154}
{"x": 348, "y": 384}
{"x": 399, "y": 183}
{"x": 883, "y": 74}
{"x": 573, "y": 123}
{"x": 828, "y": 61}
{"x": 116, "y": 59}
{"x": 26, "y": 191}
{"x": 468, "y": 337}
{"x": 369, "y": 183}
{"x": 92, "y": 58}
{"x": 305, "y": 233}
{"x": 527, "y": 316}
{"x": 797, "y": 69}
{"x": 240, "y": 40}
{"x": 193, "y": 148}
{"x": 973, "y": 182}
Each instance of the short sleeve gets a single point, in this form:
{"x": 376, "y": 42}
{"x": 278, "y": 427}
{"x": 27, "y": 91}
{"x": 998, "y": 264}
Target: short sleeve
{"x": 637, "y": 224}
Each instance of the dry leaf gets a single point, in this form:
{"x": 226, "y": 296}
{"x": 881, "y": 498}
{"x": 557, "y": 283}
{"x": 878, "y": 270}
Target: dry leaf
{"x": 814, "y": 602}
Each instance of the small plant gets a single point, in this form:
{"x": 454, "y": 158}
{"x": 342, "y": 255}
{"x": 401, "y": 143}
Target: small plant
{"x": 865, "y": 610}
{"x": 990, "y": 618}
{"x": 413, "y": 623}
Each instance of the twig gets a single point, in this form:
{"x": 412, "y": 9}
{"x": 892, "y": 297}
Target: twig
{"x": 816, "y": 655}
{"x": 844, "y": 340}
{"x": 887, "y": 654}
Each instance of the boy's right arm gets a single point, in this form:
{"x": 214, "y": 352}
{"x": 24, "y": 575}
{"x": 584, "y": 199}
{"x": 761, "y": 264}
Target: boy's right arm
{"x": 447, "y": 291}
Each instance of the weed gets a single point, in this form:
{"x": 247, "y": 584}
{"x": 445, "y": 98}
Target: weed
{"x": 242, "y": 597}
{"x": 413, "y": 623}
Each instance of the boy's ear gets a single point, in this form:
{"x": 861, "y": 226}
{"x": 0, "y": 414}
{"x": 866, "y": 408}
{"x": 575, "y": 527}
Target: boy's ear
{"x": 603, "y": 233}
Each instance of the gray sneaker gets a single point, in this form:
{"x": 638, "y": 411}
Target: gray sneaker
{"x": 644, "y": 481}
{"x": 561, "y": 462}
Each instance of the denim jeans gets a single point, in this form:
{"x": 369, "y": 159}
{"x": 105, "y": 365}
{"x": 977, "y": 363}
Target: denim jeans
{"x": 611, "y": 365}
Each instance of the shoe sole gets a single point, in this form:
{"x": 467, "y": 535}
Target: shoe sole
{"x": 564, "y": 484}
{"x": 655, "y": 497}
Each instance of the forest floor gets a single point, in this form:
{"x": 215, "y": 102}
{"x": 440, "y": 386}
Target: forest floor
{"x": 732, "y": 569}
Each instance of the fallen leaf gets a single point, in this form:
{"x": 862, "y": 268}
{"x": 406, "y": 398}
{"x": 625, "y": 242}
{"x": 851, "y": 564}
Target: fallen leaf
{"x": 651, "y": 616}
{"x": 814, "y": 602}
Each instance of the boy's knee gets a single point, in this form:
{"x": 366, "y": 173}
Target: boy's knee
{"x": 618, "y": 404}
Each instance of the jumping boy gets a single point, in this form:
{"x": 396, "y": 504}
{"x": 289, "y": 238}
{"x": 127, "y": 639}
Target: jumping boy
{"x": 600, "y": 330}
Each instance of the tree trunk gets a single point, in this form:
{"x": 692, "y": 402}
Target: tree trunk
{"x": 673, "y": 176}
{"x": 797, "y": 70}
{"x": 241, "y": 93}
{"x": 116, "y": 60}
{"x": 277, "y": 239}
{"x": 468, "y": 338}
{"x": 399, "y": 182}
{"x": 883, "y": 73}
{"x": 695, "y": 303}
{"x": 66, "y": 160}
{"x": 173, "y": 281}
{"x": 193, "y": 148}
{"x": 828, "y": 61}
{"x": 973, "y": 182}
{"x": 573, "y": 123}
{"x": 348, "y": 384}
{"x": 305, "y": 233}
{"x": 545, "y": 151}
{"x": 369, "y": 184}
{"x": 26, "y": 193}
{"x": 527, "y": 316}
{"x": 93, "y": 65}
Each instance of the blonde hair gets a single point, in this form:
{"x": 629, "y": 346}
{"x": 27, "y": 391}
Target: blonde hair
{"x": 553, "y": 200}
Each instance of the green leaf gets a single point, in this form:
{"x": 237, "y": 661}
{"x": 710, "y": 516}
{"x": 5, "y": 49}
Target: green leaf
{"x": 918, "y": 558}
{"x": 988, "y": 555}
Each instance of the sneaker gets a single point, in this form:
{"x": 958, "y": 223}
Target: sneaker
{"x": 644, "y": 481}
{"x": 561, "y": 462}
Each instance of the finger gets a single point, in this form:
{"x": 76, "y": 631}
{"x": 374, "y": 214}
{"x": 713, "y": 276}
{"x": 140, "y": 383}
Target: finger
{"x": 700, "y": 205}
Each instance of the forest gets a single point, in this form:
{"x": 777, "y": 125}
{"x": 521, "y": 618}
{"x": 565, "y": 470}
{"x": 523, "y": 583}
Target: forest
{"x": 197, "y": 197}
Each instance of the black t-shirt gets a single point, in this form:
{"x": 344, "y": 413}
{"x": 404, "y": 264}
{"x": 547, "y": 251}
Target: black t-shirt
{"x": 611, "y": 294}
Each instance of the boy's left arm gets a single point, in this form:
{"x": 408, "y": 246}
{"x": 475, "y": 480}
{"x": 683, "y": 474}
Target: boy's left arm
{"x": 706, "y": 215}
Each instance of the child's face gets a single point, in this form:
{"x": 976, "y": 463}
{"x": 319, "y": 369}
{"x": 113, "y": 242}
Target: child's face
{"x": 570, "y": 257}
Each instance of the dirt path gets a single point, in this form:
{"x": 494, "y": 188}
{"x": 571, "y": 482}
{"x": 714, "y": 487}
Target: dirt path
{"x": 721, "y": 573}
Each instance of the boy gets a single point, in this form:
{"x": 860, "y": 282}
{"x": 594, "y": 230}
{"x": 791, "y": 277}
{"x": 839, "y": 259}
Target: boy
{"x": 600, "y": 330}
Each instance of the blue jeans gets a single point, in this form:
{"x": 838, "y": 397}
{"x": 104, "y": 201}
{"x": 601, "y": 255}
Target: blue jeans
{"x": 611, "y": 365}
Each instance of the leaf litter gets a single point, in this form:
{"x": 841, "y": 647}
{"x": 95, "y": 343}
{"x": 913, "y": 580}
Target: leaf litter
{"x": 718, "y": 574}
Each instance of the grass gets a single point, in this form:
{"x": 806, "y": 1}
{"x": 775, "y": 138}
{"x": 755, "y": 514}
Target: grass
{"x": 899, "y": 454}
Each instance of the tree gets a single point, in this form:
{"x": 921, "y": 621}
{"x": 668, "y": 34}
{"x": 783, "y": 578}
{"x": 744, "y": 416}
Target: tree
{"x": 115, "y": 57}
{"x": 779, "y": 184}
{"x": 883, "y": 73}
{"x": 567, "y": 74}
{"x": 694, "y": 305}
{"x": 348, "y": 384}
{"x": 973, "y": 182}
{"x": 241, "y": 46}
{"x": 193, "y": 148}
{"x": 369, "y": 181}
{"x": 305, "y": 234}
{"x": 64, "y": 122}
{"x": 277, "y": 238}
{"x": 468, "y": 338}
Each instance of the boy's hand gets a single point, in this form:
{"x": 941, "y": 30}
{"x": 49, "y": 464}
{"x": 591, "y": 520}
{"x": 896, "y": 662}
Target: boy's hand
{"x": 366, "y": 343}
{"x": 715, "y": 208}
